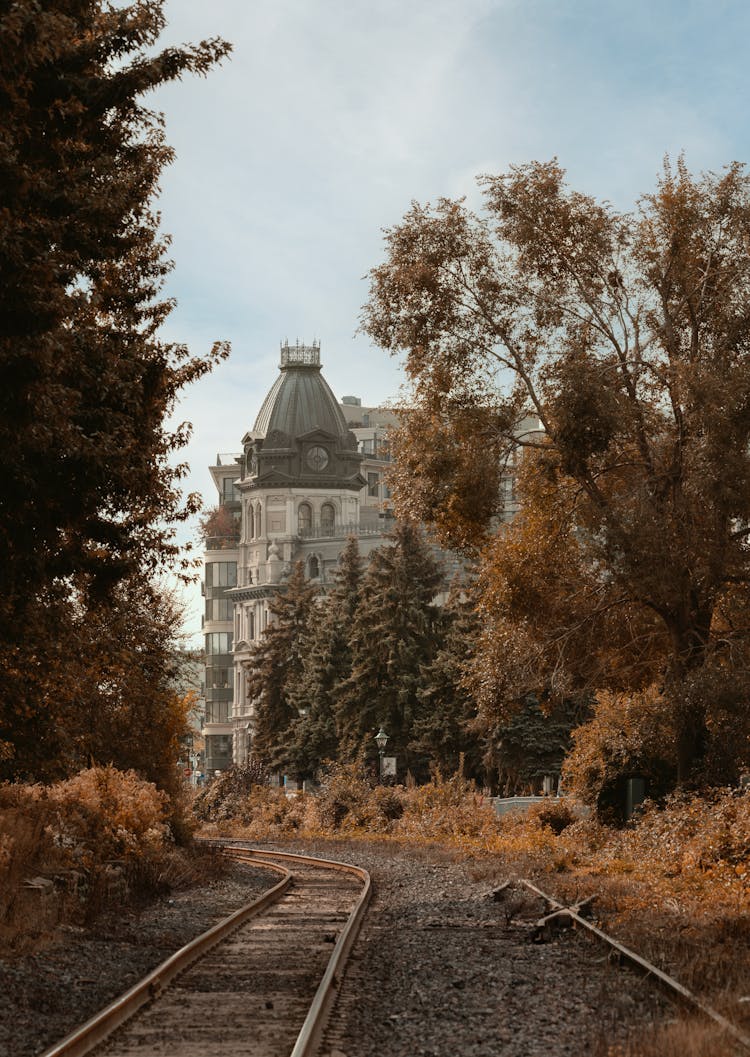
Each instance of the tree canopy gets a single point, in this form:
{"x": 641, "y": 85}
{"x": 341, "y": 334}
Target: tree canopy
{"x": 91, "y": 492}
{"x": 627, "y": 336}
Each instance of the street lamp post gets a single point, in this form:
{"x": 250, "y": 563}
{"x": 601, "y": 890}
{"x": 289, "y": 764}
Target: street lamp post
{"x": 381, "y": 740}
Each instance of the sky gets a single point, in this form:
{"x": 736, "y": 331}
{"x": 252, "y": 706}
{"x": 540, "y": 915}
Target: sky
{"x": 332, "y": 116}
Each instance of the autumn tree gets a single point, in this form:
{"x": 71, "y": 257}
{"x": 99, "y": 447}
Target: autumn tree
{"x": 108, "y": 695}
{"x": 626, "y": 335}
{"x": 392, "y": 636}
{"x": 220, "y": 528}
{"x": 275, "y": 669}
{"x": 90, "y": 493}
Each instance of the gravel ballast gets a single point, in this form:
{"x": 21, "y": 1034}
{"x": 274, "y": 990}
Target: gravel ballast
{"x": 442, "y": 966}
{"x": 46, "y": 995}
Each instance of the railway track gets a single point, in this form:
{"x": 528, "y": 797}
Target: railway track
{"x": 265, "y": 979}
{"x": 261, "y": 981}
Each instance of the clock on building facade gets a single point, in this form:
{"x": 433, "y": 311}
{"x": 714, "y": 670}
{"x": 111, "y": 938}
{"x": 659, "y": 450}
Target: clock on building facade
{"x": 317, "y": 458}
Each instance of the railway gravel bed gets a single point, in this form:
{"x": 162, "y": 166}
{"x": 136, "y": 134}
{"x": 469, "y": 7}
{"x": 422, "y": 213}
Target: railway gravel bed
{"x": 46, "y": 995}
{"x": 440, "y": 969}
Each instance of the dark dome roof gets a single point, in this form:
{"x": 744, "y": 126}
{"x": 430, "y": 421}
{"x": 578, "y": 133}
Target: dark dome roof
{"x": 300, "y": 400}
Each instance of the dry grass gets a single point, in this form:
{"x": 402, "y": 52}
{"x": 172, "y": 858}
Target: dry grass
{"x": 686, "y": 1036}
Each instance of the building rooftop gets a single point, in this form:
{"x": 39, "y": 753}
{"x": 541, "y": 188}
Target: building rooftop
{"x": 300, "y": 401}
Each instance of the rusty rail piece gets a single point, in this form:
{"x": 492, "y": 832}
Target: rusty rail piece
{"x": 571, "y": 912}
{"x": 103, "y": 1024}
{"x": 107, "y": 1020}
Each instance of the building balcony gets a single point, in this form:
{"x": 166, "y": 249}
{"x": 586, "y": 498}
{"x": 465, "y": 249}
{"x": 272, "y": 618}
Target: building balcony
{"x": 222, "y": 543}
{"x": 318, "y": 532}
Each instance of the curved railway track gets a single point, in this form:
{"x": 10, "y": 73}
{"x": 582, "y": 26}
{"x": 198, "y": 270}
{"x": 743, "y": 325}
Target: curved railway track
{"x": 263, "y": 980}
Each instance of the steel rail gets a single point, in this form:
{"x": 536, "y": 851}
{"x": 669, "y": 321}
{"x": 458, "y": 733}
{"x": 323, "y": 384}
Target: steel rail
{"x": 312, "y": 1029}
{"x": 107, "y": 1020}
{"x": 645, "y": 966}
{"x": 103, "y": 1024}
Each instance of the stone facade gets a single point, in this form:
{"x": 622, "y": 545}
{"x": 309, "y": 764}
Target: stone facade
{"x": 304, "y": 482}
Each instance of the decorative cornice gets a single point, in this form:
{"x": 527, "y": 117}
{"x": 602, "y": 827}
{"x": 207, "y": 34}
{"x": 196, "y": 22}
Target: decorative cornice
{"x": 252, "y": 592}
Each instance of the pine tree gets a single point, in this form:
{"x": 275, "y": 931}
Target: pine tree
{"x": 392, "y": 638}
{"x": 275, "y": 668}
{"x": 533, "y": 742}
{"x": 445, "y": 729}
{"x": 90, "y": 491}
{"x": 327, "y": 664}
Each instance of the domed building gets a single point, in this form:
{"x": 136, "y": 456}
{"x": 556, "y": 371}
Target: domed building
{"x": 309, "y": 476}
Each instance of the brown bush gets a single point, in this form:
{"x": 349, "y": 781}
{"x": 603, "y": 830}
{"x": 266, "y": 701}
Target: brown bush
{"x": 556, "y": 814}
{"x": 101, "y": 837}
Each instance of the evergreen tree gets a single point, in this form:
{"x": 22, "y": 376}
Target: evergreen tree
{"x": 90, "y": 492}
{"x": 276, "y": 667}
{"x": 446, "y": 728}
{"x": 533, "y": 742}
{"x": 392, "y": 637}
{"x": 326, "y": 665}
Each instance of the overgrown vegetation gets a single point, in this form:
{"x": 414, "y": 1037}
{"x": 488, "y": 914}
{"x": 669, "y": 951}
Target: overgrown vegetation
{"x": 673, "y": 883}
{"x": 96, "y": 840}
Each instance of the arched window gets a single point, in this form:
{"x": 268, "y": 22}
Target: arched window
{"x": 250, "y": 522}
{"x": 313, "y": 568}
{"x": 258, "y": 525}
{"x": 304, "y": 519}
{"x": 327, "y": 519}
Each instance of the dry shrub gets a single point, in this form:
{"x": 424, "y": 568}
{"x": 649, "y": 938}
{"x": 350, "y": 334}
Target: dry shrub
{"x": 629, "y": 735}
{"x": 26, "y": 850}
{"x": 556, "y": 814}
{"x": 449, "y": 810}
{"x": 685, "y": 1037}
{"x": 264, "y": 813}
{"x": 224, "y": 797}
{"x": 101, "y": 836}
{"x": 703, "y": 838}
{"x": 111, "y": 814}
{"x": 344, "y": 799}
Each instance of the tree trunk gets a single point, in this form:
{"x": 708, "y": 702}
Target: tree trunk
{"x": 692, "y": 742}
{"x": 691, "y": 639}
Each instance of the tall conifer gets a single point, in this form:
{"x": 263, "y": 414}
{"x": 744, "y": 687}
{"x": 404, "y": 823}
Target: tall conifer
{"x": 275, "y": 668}
{"x": 326, "y": 665}
{"x": 392, "y": 637}
{"x": 445, "y": 728}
